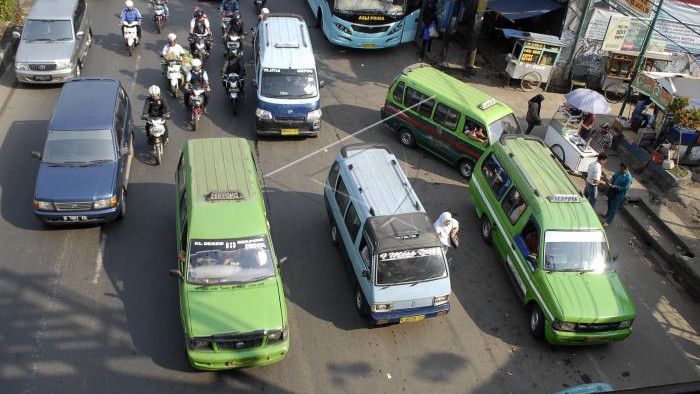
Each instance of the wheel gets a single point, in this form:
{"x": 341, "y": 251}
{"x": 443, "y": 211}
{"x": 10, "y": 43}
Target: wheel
{"x": 195, "y": 118}
{"x": 360, "y": 302}
{"x": 486, "y": 229}
{"x": 407, "y": 138}
{"x": 466, "y": 167}
{"x": 615, "y": 93}
{"x": 159, "y": 26}
{"x": 335, "y": 236}
{"x": 319, "y": 19}
{"x": 159, "y": 154}
{"x": 536, "y": 322}
{"x": 234, "y": 102}
{"x": 530, "y": 81}
{"x": 558, "y": 151}
{"x": 122, "y": 205}
{"x": 131, "y": 50}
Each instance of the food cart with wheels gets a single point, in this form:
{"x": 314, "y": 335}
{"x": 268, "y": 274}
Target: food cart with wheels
{"x": 563, "y": 139}
{"x": 619, "y": 68}
{"x": 532, "y": 58}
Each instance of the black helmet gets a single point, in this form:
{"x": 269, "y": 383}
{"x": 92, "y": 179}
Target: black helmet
{"x": 198, "y": 13}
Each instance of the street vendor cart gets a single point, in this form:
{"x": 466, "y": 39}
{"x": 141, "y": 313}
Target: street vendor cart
{"x": 532, "y": 58}
{"x": 620, "y": 67}
{"x": 563, "y": 139}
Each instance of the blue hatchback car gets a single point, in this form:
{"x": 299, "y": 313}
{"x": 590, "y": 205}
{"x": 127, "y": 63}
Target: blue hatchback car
{"x": 84, "y": 168}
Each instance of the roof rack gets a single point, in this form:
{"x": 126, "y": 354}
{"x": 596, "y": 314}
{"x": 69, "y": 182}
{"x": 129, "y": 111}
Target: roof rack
{"x": 404, "y": 183}
{"x": 413, "y": 66}
{"x": 346, "y": 148}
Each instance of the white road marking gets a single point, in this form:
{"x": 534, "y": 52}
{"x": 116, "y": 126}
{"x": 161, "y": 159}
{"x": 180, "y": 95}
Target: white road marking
{"x": 98, "y": 259}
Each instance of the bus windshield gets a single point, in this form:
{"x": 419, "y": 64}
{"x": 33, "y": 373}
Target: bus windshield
{"x": 384, "y": 7}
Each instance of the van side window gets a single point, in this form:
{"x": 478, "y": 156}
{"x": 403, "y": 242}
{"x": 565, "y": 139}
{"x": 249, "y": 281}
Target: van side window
{"x": 180, "y": 176}
{"x": 514, "y": 205}
{"x": 528, "y": 242}
{"x": 414, "y": 97}
{"x": 398, "y": 92}
{"x": 78, "y": 16}
{"x": 365, "y": 251}
{"x": 352, "y": 222}
{"x": 333, "y": 174}
{"x": 495, "y": 176}
{"x": 446, "y": 116}
{"x": 183, "y": 221}
{"x": 341, "y": 196}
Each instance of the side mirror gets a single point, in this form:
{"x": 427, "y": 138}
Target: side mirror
{"x": 124, "y": 150}
{"x": 175, "y": 274}
{"x": 36, "y": 155}
{"x": 254, "y": 83}
{"x": 365, "y": 273}
{"x": 16, "y": 35}
{"x": 181, "y": 256}
{"x": 79, "y": 34}
{"x": 321, "y": 83}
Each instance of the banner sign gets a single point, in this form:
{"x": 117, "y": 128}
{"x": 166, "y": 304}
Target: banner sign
{"x": 647, "y": 85}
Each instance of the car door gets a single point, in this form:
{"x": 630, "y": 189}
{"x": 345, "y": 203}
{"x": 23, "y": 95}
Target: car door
{"x": 446, "y": 120}
{"x": 513, "y": 215}
{"x": 121, "y": 126}
{"x": 498, "y": 183}
{"x": 365, "y": 263}
{"x": 420, "y": 109}
{"x": 351, "y": 233}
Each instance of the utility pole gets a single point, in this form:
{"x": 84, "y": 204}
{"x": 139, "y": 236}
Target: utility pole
{"x": 478, "y": 8}
{"x": 640, "y": 58}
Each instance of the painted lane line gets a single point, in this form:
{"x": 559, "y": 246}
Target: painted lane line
{"x": 98, "y": 259}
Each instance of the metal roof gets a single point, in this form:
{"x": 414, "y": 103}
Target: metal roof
{"x": 401, "y": 232}
{"x": 376, "y": 183}
{"x": 285, "y": 43}
{"x": 52, "y": 9}
{"x": 85, "y": 104}
{"x": 536, "y": 37}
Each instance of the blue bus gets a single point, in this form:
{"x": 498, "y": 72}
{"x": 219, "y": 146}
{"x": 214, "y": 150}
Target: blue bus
{"x": 367, "y": 23}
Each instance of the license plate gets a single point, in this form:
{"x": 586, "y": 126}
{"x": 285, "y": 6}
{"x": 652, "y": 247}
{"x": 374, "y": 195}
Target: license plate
{"x": 369, "y": 45}
{"x": 74, "y": 218}
{"x": 411, "y": 319}
{"x": 289, "y": 131}
{"x": 42, "y": 77}
{"x": 242, "y": 362}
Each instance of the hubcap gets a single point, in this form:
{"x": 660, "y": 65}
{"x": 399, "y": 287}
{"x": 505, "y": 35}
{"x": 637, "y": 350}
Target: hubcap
{"x": 406, "y": 138}
{"x": 466, "y": 169}
{"x": 485, "y": 229}
{"x": 534, "y": 319}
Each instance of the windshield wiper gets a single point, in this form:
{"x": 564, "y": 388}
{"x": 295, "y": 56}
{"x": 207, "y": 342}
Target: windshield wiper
{"x": 40, "y": 39}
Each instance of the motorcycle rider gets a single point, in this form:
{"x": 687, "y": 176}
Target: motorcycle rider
{"x": 155, "y": 107}
{"x": 197, "y": 76}
{"x": 164, "y": 3}
{"x": 172, "y": 51}
{"x": 236, "y": 27}
{"x": 263, "y": 15}
{"x": 199, "y": 24}
{"x": 228, "y": 6}
{"x": 131, "y": 14}
{"x": 233, "y": 64}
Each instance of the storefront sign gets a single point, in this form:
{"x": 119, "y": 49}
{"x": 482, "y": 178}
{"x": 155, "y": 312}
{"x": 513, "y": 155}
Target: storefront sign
{"x": 643, "y": 7}
{"x": 625, "y": 33}
{"x": 648, "y": 86}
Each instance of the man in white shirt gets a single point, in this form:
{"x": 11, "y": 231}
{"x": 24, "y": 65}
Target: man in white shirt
{"x": 595, "y": 171}
{"x": 446, "y": 226}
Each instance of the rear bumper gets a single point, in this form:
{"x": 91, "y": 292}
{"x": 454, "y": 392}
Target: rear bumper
{"x": 585, "y": 338}
{"x": 76, "y": 217}
{"x": 44, "y": 77}
{"x": 393, "y": 317}
{"x": 255, "y": 357}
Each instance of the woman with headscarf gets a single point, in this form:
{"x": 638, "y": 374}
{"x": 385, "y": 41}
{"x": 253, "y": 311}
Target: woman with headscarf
{"x": 447, "y": 227}
{"x": 533, "y": 113}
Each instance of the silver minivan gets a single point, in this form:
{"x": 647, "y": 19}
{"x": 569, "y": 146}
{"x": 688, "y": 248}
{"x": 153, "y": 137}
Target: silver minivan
{"x": 54, "y": 42}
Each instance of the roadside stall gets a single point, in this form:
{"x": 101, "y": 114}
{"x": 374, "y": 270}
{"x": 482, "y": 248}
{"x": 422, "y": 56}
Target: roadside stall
{"x": 532, "y": 58}
{"x": 562, "y": 135}
{"x": 620, "y": 66}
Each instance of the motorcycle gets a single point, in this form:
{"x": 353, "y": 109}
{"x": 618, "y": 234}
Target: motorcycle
{"x": 173, "y": 73}
{"x": 158, "y": 14}
{"x": 234, "y": 45}
{"x": 131, "y": 37}
{"x": 233, "y": 88}
{"x": 200, "y": 47}
{"x": 228, "y": 18}
{"x": 155, "y": 130}
{"x": 196, "y": 104}
{"x": 259, "y": 5}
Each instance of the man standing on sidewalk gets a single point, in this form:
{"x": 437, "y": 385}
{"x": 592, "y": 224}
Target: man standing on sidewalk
{"x": 595, "y": 171}
{"x": 619, "y": 184}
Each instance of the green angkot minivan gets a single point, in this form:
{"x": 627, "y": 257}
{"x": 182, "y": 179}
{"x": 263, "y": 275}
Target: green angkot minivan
{"x": 231, "y": 298}
{"x": 555, "y": 248}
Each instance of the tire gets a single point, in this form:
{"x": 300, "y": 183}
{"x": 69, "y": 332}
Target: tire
{"x": 360, "y": 304}
{"x": 407, "y": 138}
{"x": 530, "y": 81}
{"x": 159, "y": 26}
{"x": 122, "y": 205}
{"x": 194, "y": 122}
{"x": 159, "y": 154}
{"x": 131, "y": 50}
{"x": 466, "y": 168}
{"x": 335, "y": 234}
{"x": 535, "y": 321}
{"x": 558, "y": 152}
{"x": 485, "y": 230}
{"x": 235, "y": 106}
{"x": 615, "y": 93}
{"x": 319, "y": 19}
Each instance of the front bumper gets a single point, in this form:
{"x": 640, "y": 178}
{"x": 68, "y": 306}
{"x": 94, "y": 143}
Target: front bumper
{"x": 292, "y": 127}
{"x": 44, "y": 77}
{"x": 364, "y": 42}
{"x": 210, "y": 360}
{"x": 78, "y": 217}
{"x": 392, "y": 317}
{"x": 584, "y": 338}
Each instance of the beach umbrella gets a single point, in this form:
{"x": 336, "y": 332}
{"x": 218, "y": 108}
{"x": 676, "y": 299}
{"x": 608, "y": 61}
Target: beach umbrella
{"x": 588, "y": 100}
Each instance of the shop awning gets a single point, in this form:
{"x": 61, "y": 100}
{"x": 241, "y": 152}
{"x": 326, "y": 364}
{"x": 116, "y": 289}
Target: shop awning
{"x": 525, "y": 35}
{"x": 522, "y": 9}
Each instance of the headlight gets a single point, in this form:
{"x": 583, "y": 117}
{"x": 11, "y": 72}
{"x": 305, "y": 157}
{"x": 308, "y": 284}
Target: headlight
{"x": 395, "y": 29}
{"x": 563, "y": 326}
{"x": 105, "y": 203}
{"x": 441, "y": 300}
{"x": 278, "y": 336}
{"x": 43, "y": 205}
{"x": 63, "y": 64}
{"x": 21, "y": 66}
{"x": 262, "y": 114}
{"x": 625, "y": 324}
{"x": 381, "y": 307}
{"x": 342, "y": 28}
{"x": 199, "y": 344}
{"x": 314, "y": 115}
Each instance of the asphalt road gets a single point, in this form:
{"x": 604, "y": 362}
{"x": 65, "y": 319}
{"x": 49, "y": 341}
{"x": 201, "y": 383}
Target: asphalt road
{"x": 93, "y": 309}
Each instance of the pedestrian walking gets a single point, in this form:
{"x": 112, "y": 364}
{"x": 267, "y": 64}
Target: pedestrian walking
{"x": 617, "y": 189}
{"x": 533, "y": 113}
{"x": 447, "y": 227}
{"x": 593, "y": 179}
{"x": 429, "y": 32}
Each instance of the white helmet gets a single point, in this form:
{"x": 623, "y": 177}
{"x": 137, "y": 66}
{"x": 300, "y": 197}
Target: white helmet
{"x": 264, "y": 11}
{"x": 172, "y": 37}
{"x": 128, "y": 3}
{"x": 196, "y": 63}
{"x": 154, "y": 90}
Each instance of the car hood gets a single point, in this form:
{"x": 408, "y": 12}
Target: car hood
{"x": 412, "y": 292}
{"x": 73, "y": 183}
{"x": 43, "y": 51}
{"x": 233, "y": 308}
{"x": 589, "y": 297}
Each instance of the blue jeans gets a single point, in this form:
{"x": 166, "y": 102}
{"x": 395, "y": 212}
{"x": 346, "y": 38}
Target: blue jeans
{"x": 591, "y": 193}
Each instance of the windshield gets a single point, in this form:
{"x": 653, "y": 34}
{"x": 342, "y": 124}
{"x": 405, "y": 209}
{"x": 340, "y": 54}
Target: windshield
{"x": 575, "y": 251}
{"x": 407, "y": 266}
{"x": 239, "y": 260}
{"x": 506, "y": 125}
{"x": 79, "y": 147}
{"x": 386, "y": 7}
{"x": 47, "y": 30}
{"x": 288, "y": 84}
